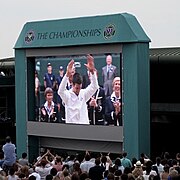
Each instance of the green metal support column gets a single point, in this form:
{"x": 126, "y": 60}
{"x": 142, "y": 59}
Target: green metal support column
{"x": 136, "y": 99}
{"x": 21, "y": 103}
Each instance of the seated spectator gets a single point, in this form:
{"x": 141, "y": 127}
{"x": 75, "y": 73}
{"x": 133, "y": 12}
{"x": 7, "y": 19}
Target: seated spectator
{"x": 23, "y": 160}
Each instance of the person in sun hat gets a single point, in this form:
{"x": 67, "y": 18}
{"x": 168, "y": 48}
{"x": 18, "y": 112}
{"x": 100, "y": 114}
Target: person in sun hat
{"x": 138, "y": 170}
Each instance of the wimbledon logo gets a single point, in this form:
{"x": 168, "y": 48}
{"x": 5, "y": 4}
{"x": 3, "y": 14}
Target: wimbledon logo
{"x": 109, "y": 31}
{"x": 30, "y": 36}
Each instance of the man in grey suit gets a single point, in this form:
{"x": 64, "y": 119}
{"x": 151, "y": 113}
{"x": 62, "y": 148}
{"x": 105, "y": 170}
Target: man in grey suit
{"x": 109, "y": 72}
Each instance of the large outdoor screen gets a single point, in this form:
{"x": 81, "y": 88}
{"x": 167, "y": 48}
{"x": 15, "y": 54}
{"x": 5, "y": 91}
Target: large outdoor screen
{"x": 104, "y": 106}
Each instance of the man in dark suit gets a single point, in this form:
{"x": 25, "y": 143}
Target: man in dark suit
{"x": 109, "y": 72}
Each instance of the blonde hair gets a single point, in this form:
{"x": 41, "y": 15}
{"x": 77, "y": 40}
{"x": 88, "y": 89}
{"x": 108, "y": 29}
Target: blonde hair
{"x": 116, "y": 79}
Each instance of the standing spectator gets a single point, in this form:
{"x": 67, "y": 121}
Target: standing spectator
{"x": 49, "y": 110}
{"x": 75, "y": 99}
{"x": 58, "y": 163}
{"x": 49, "y": 78}
{"x": 70, "y": 162}
{"x": 87, "y": 164}
{"x": 160, "y": 167}
{"x": 96, "y": 172}
{"x": 59, "y": 78}
{"x": 125, "y": 161}
{"x": 113, "y": 105}
{"x": 9, "y": 154}
{"x": 118, "y": 165}
{"x": 42, "y": 169}
{"x": 109, "y": 72}
{"x": 138, "y": 170}
{"x": 164, "y": 175}
{"x": 148, "y": 172}
{"x": 61, "y": 108}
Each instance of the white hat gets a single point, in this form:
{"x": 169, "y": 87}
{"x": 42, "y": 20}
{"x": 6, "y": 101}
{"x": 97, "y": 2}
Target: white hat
{"x": 138, "y": 164}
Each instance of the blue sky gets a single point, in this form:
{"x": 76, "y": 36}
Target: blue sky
{"x": 160, "y": 19}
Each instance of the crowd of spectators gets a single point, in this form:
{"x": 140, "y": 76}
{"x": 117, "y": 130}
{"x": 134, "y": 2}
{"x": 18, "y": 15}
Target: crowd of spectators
{"x": 92, "y": 165}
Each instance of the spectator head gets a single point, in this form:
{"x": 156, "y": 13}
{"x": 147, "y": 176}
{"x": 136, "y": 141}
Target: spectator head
{"x": 124, "y": 153}
{"x": 49, "y": 68}
{"x": 166, "y": 168}
{"x": 75, "y": 176}
{"x": 53, "y": 171}
{"x": 97, "y": 161}
{"x": 117, "y": 162}
{"x": 43, "y": 162}
{"x": 24, "y": 155}
{"x": 118, "y": 173}
{"x": 110, "y": 176}
{"x": 116, "y": 84}
{"x": 83, "y": 176}
{"x": 49, "y": 177}
{"x": 58, "y": 160}
{"x": 109, "y": 59}
{"x": 87, "y": 157}
{"x": 61, "y": 68}
{"x": 8, "y": 139}
{"x": 11, "y": 171}
{"x": 124, "y": 176}
{"x": 48, "y": 90}
{"x": 32, "y": 177}
{"x": 48, "y": 93}
{"x": 138, "y": 164}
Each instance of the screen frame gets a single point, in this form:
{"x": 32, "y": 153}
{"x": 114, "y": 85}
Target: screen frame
{"x": 73, "y": 133}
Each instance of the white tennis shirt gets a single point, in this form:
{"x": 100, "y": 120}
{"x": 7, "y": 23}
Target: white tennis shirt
{"x": 75, "y": 106}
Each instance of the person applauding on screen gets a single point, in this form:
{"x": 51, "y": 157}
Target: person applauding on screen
{"x": 75, "y": 99}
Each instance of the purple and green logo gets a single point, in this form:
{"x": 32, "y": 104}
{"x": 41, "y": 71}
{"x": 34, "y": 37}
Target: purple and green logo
{"x": 109, "y": 31}
{"x": 30, "y": 36}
